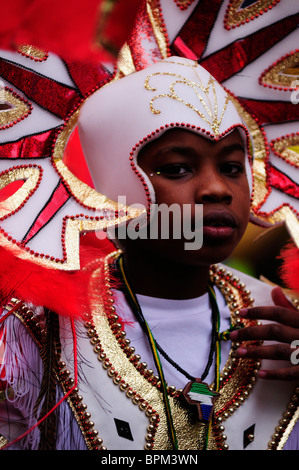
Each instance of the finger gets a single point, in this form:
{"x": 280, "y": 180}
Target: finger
{"x": 274, "y": 313}
{"x": 268, "y": 332}
{"x": 279, "y": 351}
{"x": 279, "y": 298}
{"x": 287, "y": 374}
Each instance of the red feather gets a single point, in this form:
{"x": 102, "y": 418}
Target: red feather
{"x": 70, "y": 28}
{"x": 64, "y": 292}
{"x": 289, "y": 270}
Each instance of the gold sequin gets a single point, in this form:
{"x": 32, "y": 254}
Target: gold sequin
{"x": 211, "y": 116}
{"x": 30, "y": 176}
{"x": 283, "y": 73}
{"x": 287, "y": 148}
{"x": 235, "y": 15}
{"x": 12, "y": 109}
{"x": 33, "y": 52}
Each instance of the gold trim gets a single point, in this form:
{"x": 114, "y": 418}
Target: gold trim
{"x": 111, "y": 212}
{"x": 131, "y": 375}
{"x": 283, "y": 73}
{"x": 3, "y": 442}
{"x": 79, "y": 409}
{"x": 154, "y": 16}
{"x": 85, "y": 195}
{"x": 31, "y": 176}
{"x": 287, "y": 148}
{"x": 125, "y": 64}
{"x": 260, "y": 190}
{"x": 17, "y": 110}
{"x": 236, "y": 16}
{"x": 33, "y": 52}
{"x": 286, "y": 424}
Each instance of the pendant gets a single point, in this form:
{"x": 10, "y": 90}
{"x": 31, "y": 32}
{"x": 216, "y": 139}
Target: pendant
{"x": 199, "y": 394}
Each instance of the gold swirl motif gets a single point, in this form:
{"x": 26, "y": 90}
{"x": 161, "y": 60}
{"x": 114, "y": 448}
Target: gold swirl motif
{"x": 211, "y": 116}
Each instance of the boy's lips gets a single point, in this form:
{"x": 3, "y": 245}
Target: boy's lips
{"x": 219, "y": 224}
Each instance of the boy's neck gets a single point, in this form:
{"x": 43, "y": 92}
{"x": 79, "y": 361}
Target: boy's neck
{"x": 158, "y": 277}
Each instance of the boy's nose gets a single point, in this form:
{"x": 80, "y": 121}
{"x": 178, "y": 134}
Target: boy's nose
{"x": 213, "y": 188}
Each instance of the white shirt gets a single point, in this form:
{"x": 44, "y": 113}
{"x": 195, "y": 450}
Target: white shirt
{"x": 182, "y": 328}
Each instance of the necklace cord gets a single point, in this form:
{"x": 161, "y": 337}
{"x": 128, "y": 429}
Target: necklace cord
{"x": 155, "y": 347}
{"x": 133, "y": 302}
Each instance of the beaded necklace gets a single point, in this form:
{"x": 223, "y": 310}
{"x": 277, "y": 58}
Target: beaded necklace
{"x": 196, "y": 392}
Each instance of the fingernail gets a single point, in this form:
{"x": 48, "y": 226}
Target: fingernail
{"x": 262, "y": 374}
{"x": 241, "y": 351}
{"x": 234, "y": 335}
{"x": 243, "y": 312}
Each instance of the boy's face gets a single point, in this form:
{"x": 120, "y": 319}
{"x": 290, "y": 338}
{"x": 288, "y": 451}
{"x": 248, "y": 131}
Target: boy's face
{"x": 186, "y": 168}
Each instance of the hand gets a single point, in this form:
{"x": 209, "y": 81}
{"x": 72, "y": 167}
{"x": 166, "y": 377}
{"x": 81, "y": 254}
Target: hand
{"x": 284, "y": 331}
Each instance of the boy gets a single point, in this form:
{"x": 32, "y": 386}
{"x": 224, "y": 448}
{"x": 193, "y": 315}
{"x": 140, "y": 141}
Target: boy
{"x": 169, "y": 135}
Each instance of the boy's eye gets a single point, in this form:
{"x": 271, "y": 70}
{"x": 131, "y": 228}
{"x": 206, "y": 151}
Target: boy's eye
{"x": 174, "y": 170}
{"x": 232, "y": 168}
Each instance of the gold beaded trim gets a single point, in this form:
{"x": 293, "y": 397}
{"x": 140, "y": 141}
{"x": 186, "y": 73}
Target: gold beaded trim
{"x": 124, "y": 343}
{"x": 3, "y": 441}
{"x": 286, "y": 423}
{"x": 29, "y": 319}
{"x": 236, "y": 16}
{"x": 79, "y": 409}
{"x": 237, "y": 297}
{"x": 231, "y": 396}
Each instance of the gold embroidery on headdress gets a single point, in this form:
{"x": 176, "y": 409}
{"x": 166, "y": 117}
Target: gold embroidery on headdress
{"x": 211, "y": 115}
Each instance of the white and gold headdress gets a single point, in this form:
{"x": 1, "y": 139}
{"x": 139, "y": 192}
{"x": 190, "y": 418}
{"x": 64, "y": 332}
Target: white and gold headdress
{"x": 122, "y": 117}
